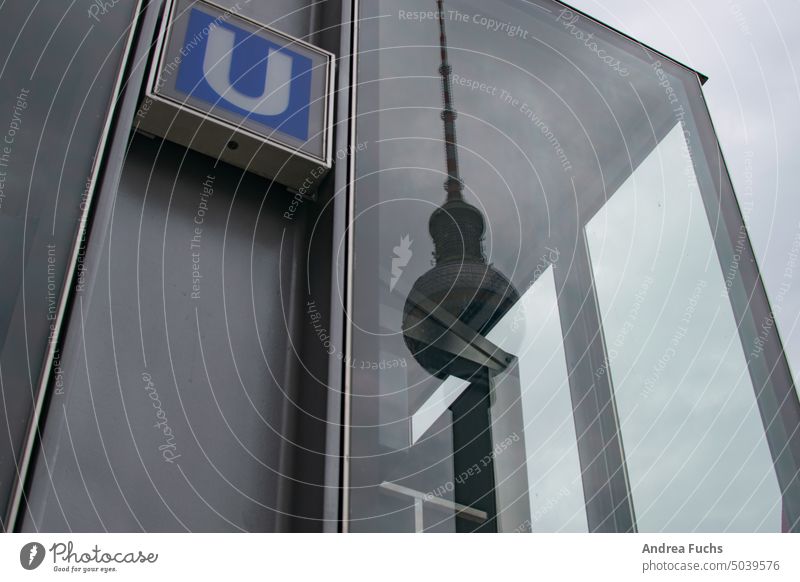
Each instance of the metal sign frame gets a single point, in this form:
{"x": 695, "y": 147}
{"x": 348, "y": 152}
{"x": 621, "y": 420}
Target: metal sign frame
{"x": 187, "y": 125}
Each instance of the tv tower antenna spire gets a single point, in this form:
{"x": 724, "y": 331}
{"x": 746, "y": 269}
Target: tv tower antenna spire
{"x": 453, "y": 185}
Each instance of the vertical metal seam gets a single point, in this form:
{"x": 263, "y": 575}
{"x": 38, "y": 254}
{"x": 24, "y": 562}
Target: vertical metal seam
{"x": 613, "y": 400}
{"x": 348, "y": 342}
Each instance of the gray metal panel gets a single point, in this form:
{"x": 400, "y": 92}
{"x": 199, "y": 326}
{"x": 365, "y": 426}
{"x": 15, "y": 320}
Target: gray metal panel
{"x": 775, "y": 388}
{"x": 605, "y": 479}
{"x": 90, "y": 469}
{"x": 65, "y": 62}
{"x": 217, "y": 362}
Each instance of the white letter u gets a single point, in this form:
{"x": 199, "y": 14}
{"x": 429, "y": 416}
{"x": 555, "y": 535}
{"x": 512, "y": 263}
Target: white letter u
{"x": 274, "y": 99}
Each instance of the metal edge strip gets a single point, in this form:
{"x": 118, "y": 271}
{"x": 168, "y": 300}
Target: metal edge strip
{"x": 703, "y": 78}
{"x": 760, "y": 283}
{"x": 614, "y": 408}
{"x": 300, "y": 41}
{"x": 348, "y": 327}
{"x": 774, "y": 353}
{"x": 334, "y": 435}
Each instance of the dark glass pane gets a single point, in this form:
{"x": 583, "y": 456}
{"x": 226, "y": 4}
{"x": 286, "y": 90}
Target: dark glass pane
{"x": 497, "y": 372}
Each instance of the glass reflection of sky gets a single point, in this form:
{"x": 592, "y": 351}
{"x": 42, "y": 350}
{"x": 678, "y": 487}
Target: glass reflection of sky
{"x": 696, "y": 450}
{"x": 645, "y": 219}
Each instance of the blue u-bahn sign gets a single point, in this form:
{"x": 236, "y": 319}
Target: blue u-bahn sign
{"x": 249, "y": 74}
{"x": 257, "y": 82}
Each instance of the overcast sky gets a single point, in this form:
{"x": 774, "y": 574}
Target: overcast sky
{"x": 746, "y": 48}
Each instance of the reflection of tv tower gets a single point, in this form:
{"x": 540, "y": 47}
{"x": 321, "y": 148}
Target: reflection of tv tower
{"x": 451, "y": 308}
{"x": 461, "y": 283}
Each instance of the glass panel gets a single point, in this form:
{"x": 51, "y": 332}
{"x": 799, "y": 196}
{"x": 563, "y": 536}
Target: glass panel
{"x": 551, "y": 450}
{"x": 481, "y": 398}
{"x": 695, "y": 446}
